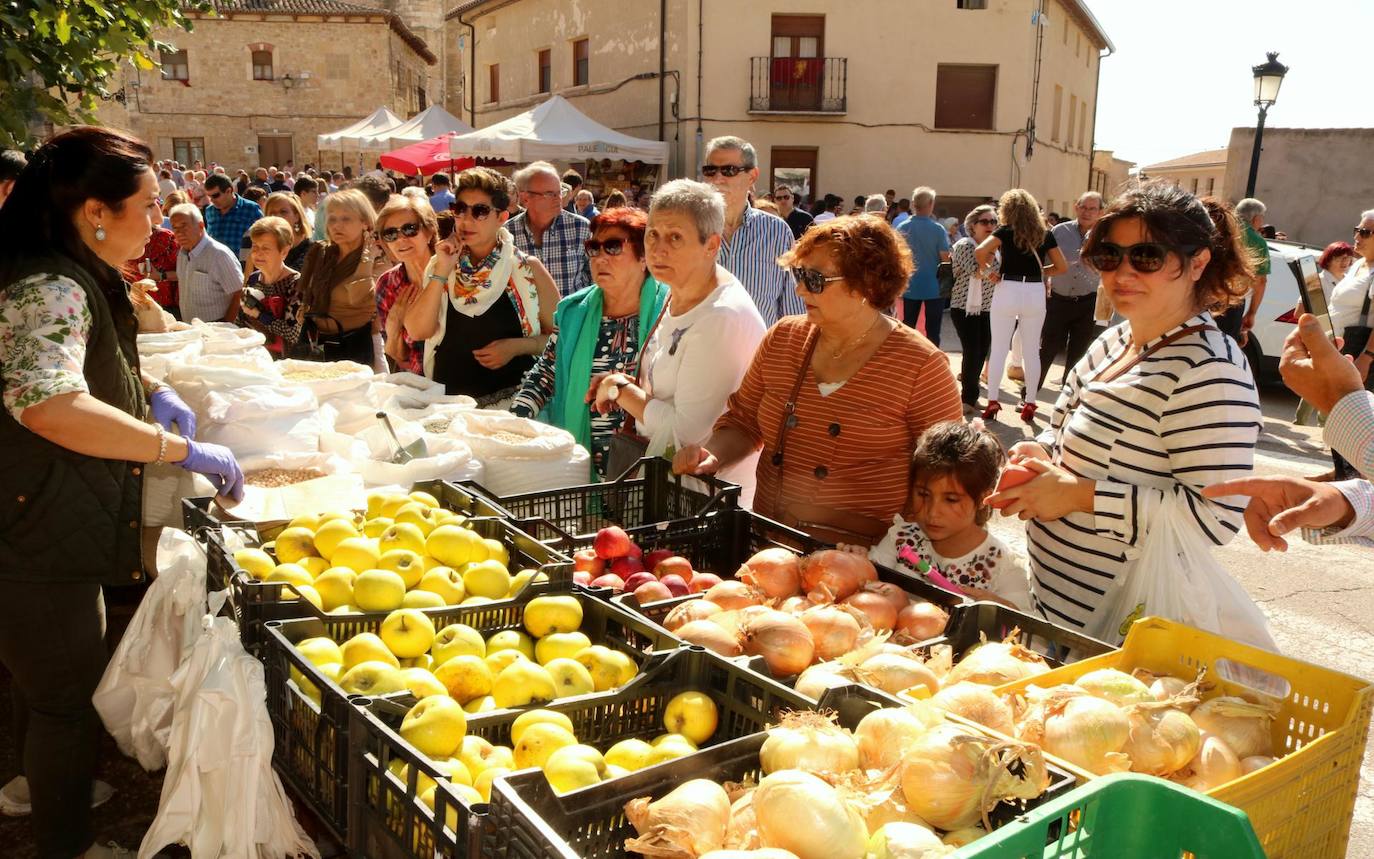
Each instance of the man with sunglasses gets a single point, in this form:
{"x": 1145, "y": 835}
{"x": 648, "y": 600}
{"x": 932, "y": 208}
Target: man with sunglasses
{"x": 548, "y": 231}
{"x": 1069, "y": 325}
{"x": 787, "y": 207}
{"x": 229, "y": 216}
{"x": 753, "y": 239}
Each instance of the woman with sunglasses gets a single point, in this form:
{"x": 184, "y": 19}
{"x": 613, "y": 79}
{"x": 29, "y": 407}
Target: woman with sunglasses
{"x": 836, "y": 399}
{"x": 1161, "y": 406}
{"x": 409, "y": 229}
{"x": 485, "y": 308}
{"x": 970, "y": 302}
{"x": 599, "y": 331}
{"x": 1029, "y": 255}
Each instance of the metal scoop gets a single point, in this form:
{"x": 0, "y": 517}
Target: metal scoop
{"x": 404, "y": 453}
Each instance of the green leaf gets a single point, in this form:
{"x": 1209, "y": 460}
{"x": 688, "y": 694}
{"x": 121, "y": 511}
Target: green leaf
{"x": 143, "y": 62}
{"x": 63, "y": 28}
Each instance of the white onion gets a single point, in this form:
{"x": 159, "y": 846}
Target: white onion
{"x": 884, "y": 735}
{"x": 822, "y": 676}
{"x": 997, "y": 662}
{"x": 1116, "y": 686}
{"x": 1215, "y": 765}
{"x": 892, "y": 673}
{"x": 689, "y": 821}
{"x": 1161, "y": 742}
{"x": 1256, "y": 762}
{"x": 1089, "y": 732}
{"x": 810, "y": 742}
{"x": 951, "y": 778}
{"x": 882, "y": 809}
{"x": 977, "y": 703}
{"x": 798, "y": 812}
{"x": 1244, "y": 725}
{"x": 905, "y": 841}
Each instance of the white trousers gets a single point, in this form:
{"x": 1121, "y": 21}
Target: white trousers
{"x": 1021, "y": 305}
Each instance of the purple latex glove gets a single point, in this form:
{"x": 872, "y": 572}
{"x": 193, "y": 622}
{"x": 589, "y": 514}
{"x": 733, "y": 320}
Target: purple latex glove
{"x": 217, "y": 463}
{"x": 168, "y": 407}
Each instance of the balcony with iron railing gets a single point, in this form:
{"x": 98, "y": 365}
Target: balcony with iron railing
{"x": 798, "y": 84}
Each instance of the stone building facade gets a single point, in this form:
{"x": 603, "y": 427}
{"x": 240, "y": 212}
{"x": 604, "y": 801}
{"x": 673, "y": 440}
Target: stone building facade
{"x": 255, "y": 83}
{"x": 1201, "y": 173}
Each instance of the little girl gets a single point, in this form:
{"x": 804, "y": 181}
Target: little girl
{"x": 954, "y": 468}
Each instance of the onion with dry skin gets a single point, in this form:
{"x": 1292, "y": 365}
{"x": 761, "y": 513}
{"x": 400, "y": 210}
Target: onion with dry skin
{"x": 921, "y": 621}
{"x": 743, "y": 831}
{"x": 893, "y": 673}
{"x": 795, "y": 605}
{"x": 689, "y": 821}
{"x": 711, "y": 636}
{"x": 798, "y": 812}
{"x": 951, "y": 778}
{"x": 810, "y": 742}
{"x": 781, "y": 639}
{"x": 883, "y": 736}
{"x": 731, "y": 595}
{"x": 815, "y": 680}
{"x": 1161, "y": 742}
{"x": 1089, "y": 732}
{"x": 1116, "y": 686}
{"x": 689, "y": 611}
{"x": 831, "y": 575}
{"x": 977, "y": 703}
{"x": 890, "y": 592}
{"x": 775, "y": 572}
{"x": 1256, "y": 762}
{"x": 1244, "y": 725}
{"x": 834, "y": 631}
{"x": 994, "y": 663}
{"x": 756, "y": 853}
{"x": 1215, "y": 765}
{"x": 879, "y": 609}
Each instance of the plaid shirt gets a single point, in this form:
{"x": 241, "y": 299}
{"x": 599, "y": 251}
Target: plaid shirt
{"x": 1350, "y": 432}
{"x": 562, "y": 252}
{"x": 229, "y": 229}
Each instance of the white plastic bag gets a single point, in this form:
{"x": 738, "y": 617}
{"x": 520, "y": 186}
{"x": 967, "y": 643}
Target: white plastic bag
{"x": 220, "y": 796}
{"x": 448, "y": 459}
{"x": 226, "y": 338}
{"x": 135, "y": 695}
{"x": 338, "y": 488}
{"x": 521, "y": 455}
{"x": 1177, "y": 577}
{"x": 255, "y": 402}
{"x": 326, "y": 378}
{"x": 164, "y": 487}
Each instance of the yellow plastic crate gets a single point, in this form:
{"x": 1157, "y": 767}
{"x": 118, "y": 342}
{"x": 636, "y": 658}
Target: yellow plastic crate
{"x": 1301, "y": 806}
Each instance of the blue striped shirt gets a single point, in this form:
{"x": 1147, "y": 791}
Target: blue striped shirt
{"x": 561, "y": 250}
{"x": 751, "y": 255}
{"x": 229, "y": 228}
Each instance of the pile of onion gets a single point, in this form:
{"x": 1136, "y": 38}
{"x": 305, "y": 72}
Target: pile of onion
{"x": 830, "y": 575}
{"x": 994, "y": 663}
{"x": 781, "y": 639}
{"x": 952, "y": 778}
{"x": 810, "y": 742}
{"x": 689, "y": 821}
{"x": 775, "y": 572}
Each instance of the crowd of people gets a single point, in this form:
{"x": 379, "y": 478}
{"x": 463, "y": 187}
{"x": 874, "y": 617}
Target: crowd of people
{"x": 796, "y": 354}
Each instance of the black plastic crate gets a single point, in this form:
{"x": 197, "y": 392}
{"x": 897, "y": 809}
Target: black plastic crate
{"x": 971, "y": 624}
{"x": 526, "y": 819}
{"x": 388, "y": 819}
{"x": 312, "y": 739}
{"x": 646, "y": 493}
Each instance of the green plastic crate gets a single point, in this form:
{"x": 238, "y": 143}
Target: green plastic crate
{"x": 1124, "y": 816}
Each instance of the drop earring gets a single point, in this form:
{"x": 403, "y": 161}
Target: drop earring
{"x": 99, "y": 233}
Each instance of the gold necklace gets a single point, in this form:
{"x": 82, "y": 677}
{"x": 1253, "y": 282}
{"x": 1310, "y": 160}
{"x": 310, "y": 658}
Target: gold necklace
{"x": 855, "y": 344}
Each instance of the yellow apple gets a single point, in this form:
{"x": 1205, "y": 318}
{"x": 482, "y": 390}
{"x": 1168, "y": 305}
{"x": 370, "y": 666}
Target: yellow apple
{"x": 255, "y": 562}
{"x": 424, "y": 498}
{"x": 523, "y": 683}
{"x": 560, "y": 645}
{"x": 670, "y": 752}
{"x": 488, "y": 579}
{"x": 435, "y": 726}
{"x": 693, "y": 715}
{"x": 308, "y": 521}
{"x": 519, "y": 581}
{"x": 293, "y": 574}
{"x": 378, "y": 590}
{"x": 546, "y": 615}
{"x": 402, "y": 535}
{"x": 613, "y": 771}
{"x": 477, "y": 601}
{"x": 346, "y": 608}
{"x": 392, "y": 503}
{"x": 375, "y": 500}
{"x": 335, "y": 586}
{"x": 422, "y": 599}
{"x": 372, "y": 678}
{"x": 431, "y": 562}
{"x": 365, "y": 647}
{"x": 376, "y": 527}
{"x": 407, "y": 632}
{"x": 448, "y": 517}
{"x": 465, "y": 677}
{"x": 538, "y": 742}
{"x": 630, "y": 755}
{"x": 571, "y": 768}
{"x": 293, "y": 544}
{"x": 404, "y": 563}
{"x": 454, "y": 545}
{"x": 320, "y": 650}
{"x": 457, "y": 639}
{"x": 424, "y": 660}
{"x": 314, "y": 566}
{"x": 422, "y": 683}
{"x": 357, "y": 554}
{"x": 511, "y": 639}
{"x": 332, "y": 670}
{"x": 500, "y": 659}
{"x": 330, "y": 534}
{"x": 307, "y": 593}
{"x": 605, "y": 669}
{"x": 478, "y": 754}
{"x": 466, "y": 794}
{"x": 330, "y": 516}
{"x": 569, "y": 678}
{"x": 484, "y": 704}
{"x": 496, "y": 551}
{"x": 535, "y": 717}
{"x": 482, "y": 784}
{"x": 419, "y": 515}
{"x": 444, "y": 581}
{"x": 673, "y": 738}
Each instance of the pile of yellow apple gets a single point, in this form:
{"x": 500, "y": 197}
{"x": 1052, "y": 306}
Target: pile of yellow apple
{"x": 550, "y": 658}
{"x": 404, "y": 552}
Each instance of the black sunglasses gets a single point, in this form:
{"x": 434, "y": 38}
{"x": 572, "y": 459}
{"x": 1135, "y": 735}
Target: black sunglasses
{"x": 410, "y": 231}
{"x": 480, "y": 211}
{"x": 1364, "y": 232}
{"x": 814, "y": 281}
{"x": 987, "y": 222}
{"x": 1145, "y": 257}
{"x": 729, "y": 171}
{"x": 613, "y": 247}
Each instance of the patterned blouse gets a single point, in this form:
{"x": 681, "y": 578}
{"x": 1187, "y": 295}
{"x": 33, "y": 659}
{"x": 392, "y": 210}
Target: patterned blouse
{"x": 279, "y": 310}
{"x": 389, "y": 285}
{"x": 44, "y": 323}
{"x": 617, "y": 345}
{"x": 991, "y": 566}
{"x": 965, "y": 264}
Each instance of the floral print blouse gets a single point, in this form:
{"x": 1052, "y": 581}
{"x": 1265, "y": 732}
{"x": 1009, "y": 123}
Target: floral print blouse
{"x": 389, "y": 285}
{"x": 44, "y": 325}
{"x": 991, "y": 566}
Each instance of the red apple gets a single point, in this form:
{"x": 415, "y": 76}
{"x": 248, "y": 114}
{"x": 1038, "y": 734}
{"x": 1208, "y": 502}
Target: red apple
{"x": 674, "y": 566}
{"x": 702, "y": 582}
{"x": 635, "y": 552}
{"x": 609, "y": 580}
{"x": 636, "y": 579}
{"x": 677, "y": 584}
{"x": 612, "y": 542}
{"x": 626, "y": 566}
{"x": 1013, "y": 475}
{"x": 582, "y": 577}
{"x": 651, "y": 559}
{"x": 587, "y": 561}
{"x": 652, "y": 592}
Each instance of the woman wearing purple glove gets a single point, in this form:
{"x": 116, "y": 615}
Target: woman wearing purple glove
{"x": 80, "y": 423}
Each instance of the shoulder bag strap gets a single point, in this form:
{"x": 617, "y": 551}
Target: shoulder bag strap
{"x": 789, "y": 409}
{"x": 628, "y": 425}
{"x": 1177, "y": 335}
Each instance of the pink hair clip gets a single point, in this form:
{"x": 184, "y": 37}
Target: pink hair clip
{"x": 927, "y": 569}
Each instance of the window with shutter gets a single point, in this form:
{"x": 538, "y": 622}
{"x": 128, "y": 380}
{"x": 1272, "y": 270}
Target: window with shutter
{"x": 965, "y": 96}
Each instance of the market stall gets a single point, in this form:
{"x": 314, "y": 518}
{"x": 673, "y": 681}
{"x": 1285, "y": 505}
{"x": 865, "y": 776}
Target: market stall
{"x": 345, "y": 140}
{"x": 429, "y": 123}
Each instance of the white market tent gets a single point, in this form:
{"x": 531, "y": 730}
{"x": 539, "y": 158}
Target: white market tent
{"x": 555, "y": 131}
{"x": 379, "y": 120}
{"x": 431, "y": 122}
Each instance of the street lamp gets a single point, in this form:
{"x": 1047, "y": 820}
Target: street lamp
{"x": 1268, "y": 79}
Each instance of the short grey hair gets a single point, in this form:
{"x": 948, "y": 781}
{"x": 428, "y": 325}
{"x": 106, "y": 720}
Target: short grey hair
{"x": 523, "y": 176}
{"x": 1249, "y": 209}
{"x": 875, "y": 203}
{"x": 739, "y": 144}
{"x": 923, "y": 197}
{"x": 697, "y": 199}
{"x": 581, "y": 192}
{"x": 1367, "y": 215}
{"x": 1090, "y": 195}
{"x": 417, "y": 193}
{"x": 190, "y": 210}
{"x": 978, "y": 212}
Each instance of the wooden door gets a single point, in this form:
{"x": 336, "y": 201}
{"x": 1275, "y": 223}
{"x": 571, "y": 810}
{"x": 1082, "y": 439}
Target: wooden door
{"x": 798, "y": 55}
{"x": 274, "y": 150}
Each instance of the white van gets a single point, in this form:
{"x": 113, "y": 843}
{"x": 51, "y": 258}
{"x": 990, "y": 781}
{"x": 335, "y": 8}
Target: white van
{"x": 1276, "y": 318}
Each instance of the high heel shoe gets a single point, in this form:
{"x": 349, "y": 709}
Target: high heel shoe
{"x": 990, "y": 413}
{"x": 1028, "y": 413}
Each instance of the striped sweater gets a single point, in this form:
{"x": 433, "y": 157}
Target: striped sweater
{"x": 850, "y": 450}
{"x": 1184, "y": 417}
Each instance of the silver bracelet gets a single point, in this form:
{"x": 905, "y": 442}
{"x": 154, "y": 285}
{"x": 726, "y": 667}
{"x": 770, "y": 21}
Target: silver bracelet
{"x": 161, "y": 445}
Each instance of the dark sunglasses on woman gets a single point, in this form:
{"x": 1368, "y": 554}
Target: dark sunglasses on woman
{"x": 612, "y": 247}
{"x": 1364, "y": 232}
{"x": 391, "y": 234}
{"x": 479, "y": 211}
{"x": 1145, "y": 257}
{"x": 814, "y": 281}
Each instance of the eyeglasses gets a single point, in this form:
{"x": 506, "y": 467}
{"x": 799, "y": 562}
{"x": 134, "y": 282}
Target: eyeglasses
{"x": 729, "y": 171}
{"x": 782, "y": 196}
{"x": 1145, "y": 257}
{"x": 814, "y": 281}
{"x": 479, "y": 211}
{"x": 545, "y": 195}
{"x": 410, "y": 231}
{"x": 986, "y": 222}
{"x": 1364, "y": 232}
{"x": 613, "y": 247}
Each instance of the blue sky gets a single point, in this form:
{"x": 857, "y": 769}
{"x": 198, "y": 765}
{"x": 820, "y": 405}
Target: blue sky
{"x": 1180, "y": 79}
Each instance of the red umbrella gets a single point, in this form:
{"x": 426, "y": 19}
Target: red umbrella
{"x": 425, "y": 158}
